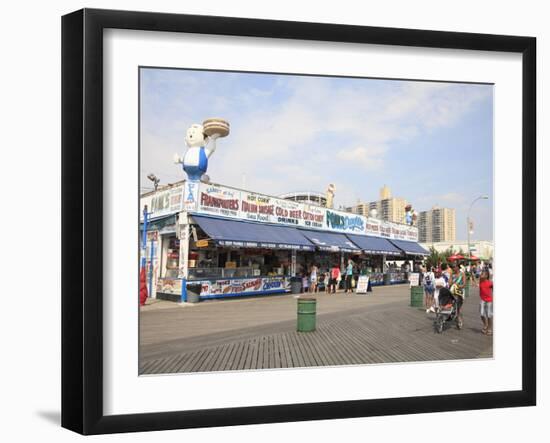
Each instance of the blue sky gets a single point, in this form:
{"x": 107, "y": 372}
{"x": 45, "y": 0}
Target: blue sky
{"x": 431, "y": 143}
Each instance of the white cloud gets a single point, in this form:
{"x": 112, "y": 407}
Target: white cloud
{"x": 285, "y": 144}
{"x": 446, "y": 200}
{"x": 370, "y": 158}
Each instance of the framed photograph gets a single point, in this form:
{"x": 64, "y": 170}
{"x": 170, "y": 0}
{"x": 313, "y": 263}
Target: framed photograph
{"x": 269, "y": 221}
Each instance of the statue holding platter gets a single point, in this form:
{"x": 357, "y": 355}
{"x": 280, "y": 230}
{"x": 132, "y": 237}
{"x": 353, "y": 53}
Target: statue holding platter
{"x": 201, "y": 144}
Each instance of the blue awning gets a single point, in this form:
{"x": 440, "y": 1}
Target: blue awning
{"x": 329, "y": 241}
{"x": 167, "y": 222}
{"x": 410, "y": 247}
{"x": 374, "y": 245}
{"x": 242, "y": 234}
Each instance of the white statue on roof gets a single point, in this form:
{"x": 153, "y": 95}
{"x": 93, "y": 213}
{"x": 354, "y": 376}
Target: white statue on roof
{"x": 201, "y": 144}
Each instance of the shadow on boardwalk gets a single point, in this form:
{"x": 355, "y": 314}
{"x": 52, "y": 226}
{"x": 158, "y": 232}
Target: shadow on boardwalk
{"x": 351, "y": 329}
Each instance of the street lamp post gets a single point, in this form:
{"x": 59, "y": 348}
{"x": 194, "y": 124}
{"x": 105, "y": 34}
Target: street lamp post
{"x": 154, "y": 179}
{"x": 468, "y": 221}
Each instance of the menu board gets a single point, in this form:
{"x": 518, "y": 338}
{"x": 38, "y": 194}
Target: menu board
{"x": 362, "y": 284}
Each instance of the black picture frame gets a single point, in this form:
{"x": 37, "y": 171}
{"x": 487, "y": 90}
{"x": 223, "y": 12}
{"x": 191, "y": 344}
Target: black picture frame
{"x": 82, "y": 219}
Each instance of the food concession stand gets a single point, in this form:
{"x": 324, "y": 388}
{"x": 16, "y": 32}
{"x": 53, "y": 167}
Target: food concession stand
{"x": 238, "y": 243}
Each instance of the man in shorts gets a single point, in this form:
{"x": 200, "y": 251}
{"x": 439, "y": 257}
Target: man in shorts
{"x": 458, "y": 282}
{"x": 486, "y": 303}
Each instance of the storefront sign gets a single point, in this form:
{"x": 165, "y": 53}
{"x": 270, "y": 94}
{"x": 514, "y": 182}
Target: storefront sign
{"x": 190, "y": 194}
{"x": 243, "y": 205}
{"x": 257, "y": 207}
{"x": 222, "y": 201}
{"x": 244, "y": 286}
{"x": 314, "y": 217}
{"x": 201, "y": 243}
{"x": 372, "y": 227}
{"x": 217, "y": 200}
{"x": 163, "y": 202}
{"x": 344, "y": 222}
{"x": 403, "y": 232}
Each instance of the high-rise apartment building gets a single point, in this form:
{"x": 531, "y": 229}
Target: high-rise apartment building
{"x": 388, "y": 208}
{"x": 360, "y": 208}
{"x": 437, "y": 225}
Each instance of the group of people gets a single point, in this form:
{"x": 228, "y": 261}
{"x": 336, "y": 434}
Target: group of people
{"x": 312, "y": 277}
{"x": 454, "y": 280}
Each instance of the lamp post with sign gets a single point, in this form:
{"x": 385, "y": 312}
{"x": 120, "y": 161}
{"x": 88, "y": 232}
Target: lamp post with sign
{"x": 144, "y": 237}
{"x": 469, "y": 225}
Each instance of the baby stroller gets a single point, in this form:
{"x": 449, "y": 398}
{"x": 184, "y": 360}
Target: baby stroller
{"x": 446, "y": 311}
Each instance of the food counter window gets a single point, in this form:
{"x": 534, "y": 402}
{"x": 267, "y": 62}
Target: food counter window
{"x": 242, "y": 263}
{"x": 171, "y": 257}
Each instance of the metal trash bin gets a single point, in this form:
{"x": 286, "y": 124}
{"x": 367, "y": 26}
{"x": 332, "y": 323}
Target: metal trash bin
{"x": 307, "y": 313}
{"x": 417, "y": 296}
{"x": 295, "y": 285}
{"x": 193, "y": 292}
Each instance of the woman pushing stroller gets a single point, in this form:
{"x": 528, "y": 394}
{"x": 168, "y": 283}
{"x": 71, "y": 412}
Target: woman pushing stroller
{"x": 457, "y": 284}
{"x": 448, "y": 301}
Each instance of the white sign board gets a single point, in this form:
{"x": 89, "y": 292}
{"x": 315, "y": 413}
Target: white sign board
{"x": 163, "y": 202}
{"x": 414, "y": 278}
{"x": 362, "y": 284}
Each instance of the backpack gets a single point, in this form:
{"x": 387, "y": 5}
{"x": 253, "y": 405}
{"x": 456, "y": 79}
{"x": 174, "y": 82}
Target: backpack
{"x": 427, "y": 279}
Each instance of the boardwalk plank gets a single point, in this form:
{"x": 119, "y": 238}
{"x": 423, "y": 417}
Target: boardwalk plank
{"x": 278, "y": 352}
{"x": 252, "y": 349}
{"x": 364, "y": 333}
{"x": 286, "y": 350}
{"x": 223, "y": 363}
{"x": 234, "y": 360}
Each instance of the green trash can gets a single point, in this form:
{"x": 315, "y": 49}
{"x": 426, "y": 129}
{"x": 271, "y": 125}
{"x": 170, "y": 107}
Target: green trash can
{"x": 467, "y": 290}
{"x": 417, "y": 296}
{"x": 307, "y": 311}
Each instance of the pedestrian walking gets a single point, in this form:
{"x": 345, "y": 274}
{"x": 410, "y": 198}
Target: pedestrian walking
{"x": 428, "y": 283}
{"x": 335, "y": 278}
{"x": 305, "y": 282}
{"x": 486, "y": 303}
{"x": 349, "y": 276}
{"x": 313, "y": 278}
{"x": 445, "y": 274}
{"x": 458, "y": 282}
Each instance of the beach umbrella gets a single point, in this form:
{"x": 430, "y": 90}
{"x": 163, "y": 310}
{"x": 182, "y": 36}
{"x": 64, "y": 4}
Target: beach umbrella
{"x": 456, "y": 257}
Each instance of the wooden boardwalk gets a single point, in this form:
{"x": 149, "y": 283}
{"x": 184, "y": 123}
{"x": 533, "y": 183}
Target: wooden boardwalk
{"x": 366, "y": 330}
